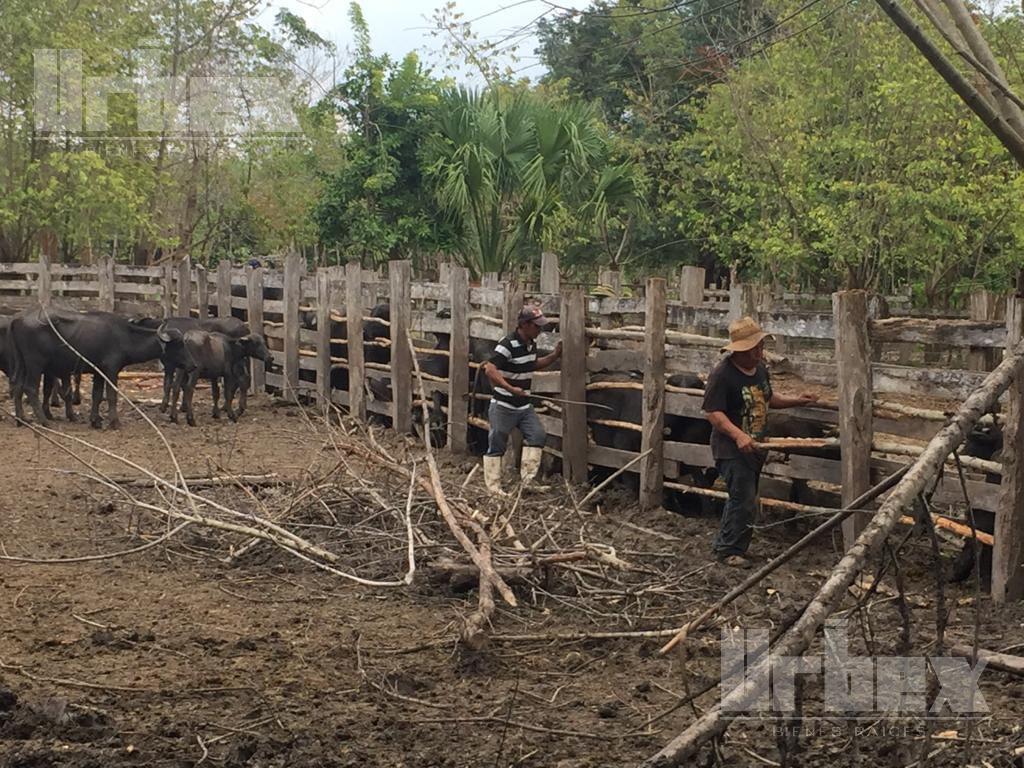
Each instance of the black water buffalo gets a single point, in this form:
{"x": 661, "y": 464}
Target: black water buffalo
{"x": 170, "y": 359}
{"x": 196, "y": 354}
{"x": 60, "y": 343}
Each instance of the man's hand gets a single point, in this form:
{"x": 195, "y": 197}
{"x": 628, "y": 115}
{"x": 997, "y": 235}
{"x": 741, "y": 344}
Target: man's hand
{"x": 517, "y": 391}
{"x": 807, "y": 397}
{"x": 558, "y": 350}
{"x": 745, "y": 443}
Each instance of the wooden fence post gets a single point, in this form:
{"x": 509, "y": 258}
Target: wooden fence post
{"x": 490, "y": 280}
{"x": 611, "y": 278}
{"x": 43, "y": 279}
{"x": 853, "y": 360}
{"x": 512, "y": 303}
{"x": 323, "y": 338}
{"x": 293, "y": 272}
{"x": 400, "y": 276}
{"x": 202, "y": 292}
{"x": 549, "y": 275}
{"x": 984, "y": 306}
{"x": 1008, "y": 552}
{"x": 691, "y": 286}
{"x": 105, "y": 276}
{"x": 742, "y": 301}
{"x": 185, "y": 287}
{"x": 458, "y": 362}
{"x": 444, "y": 272}
{"x": 354, "y": 334}
{"x": 224, "y": 288}
{"x": 572, "y": 323}
{"x": 254, "y": 318}
{"x": 167, "y": 283}
{"x": 653, "y": 438}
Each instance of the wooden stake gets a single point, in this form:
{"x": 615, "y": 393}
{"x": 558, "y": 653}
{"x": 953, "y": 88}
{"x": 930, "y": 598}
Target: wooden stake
{"x": 354, "y": 332}
{"x": 400, "y": 276}
{"x": 513, "y": 303}
{"x": 254, "y": 317}
{"x": 202, "y": 292}
{"x": 293, "y": 270}
{"x": 105, "y": 268}
{"x": 185, "y": 287}
{"x": 574, "y": 385}
{"x": 549, "y": 276}
{"x": 458, "y": 360}
{"x": 853, "y": 358}
{"x": 1008, "y": 554}
{"x": 691, "y": 286}
{"x": 224, "y": 289}
{"x": 167, "y": 287}
{"x": 653, "y": 437}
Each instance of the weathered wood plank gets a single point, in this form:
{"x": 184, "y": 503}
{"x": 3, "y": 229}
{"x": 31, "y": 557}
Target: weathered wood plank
{"x": 956, "y": 333}
{"x": 574, "y": 385}
{"x": 202, "y": 292}
{"x": 691, "y": 286}
{"x": 184, "y": 287}
{"x": 354, "y": 332}
{"x": 652, "y": 436}
{"x": 224, "y": 288}
{"x": 1008, "y": 553}
{"x": 458, "y": 366}
{"x": 323, "y": 337}
{"x": 254, "y": 317}
{"x": 549, "y": 275}
{"x": 167, "y": 284}
{"x": 853, "y": 357}
{"x": 294, "y": 268}
{"x": 105, "y": 277}
{"x": 400, "y": 277}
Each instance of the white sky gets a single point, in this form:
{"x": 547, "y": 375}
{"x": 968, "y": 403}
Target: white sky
{"x": 400, "y": 26}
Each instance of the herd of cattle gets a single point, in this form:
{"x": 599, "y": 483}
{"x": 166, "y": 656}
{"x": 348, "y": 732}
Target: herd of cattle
{"x": 53, "y": 347}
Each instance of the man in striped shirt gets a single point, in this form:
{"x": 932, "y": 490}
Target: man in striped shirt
{"x": 510, "y": 370}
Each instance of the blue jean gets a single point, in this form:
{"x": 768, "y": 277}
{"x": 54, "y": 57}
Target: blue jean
{"x": 503, "y": 420}
{"x": 741, "y": 476}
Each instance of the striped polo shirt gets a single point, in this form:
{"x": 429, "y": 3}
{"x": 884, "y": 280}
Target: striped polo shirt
{"x": 516, "y": 358}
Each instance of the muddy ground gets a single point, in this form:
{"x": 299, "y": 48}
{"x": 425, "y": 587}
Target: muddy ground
{"x": 170, "y": 657}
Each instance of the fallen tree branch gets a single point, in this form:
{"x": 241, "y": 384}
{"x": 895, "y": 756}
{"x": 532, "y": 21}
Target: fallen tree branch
{"x": 1004, "y": 662}
{"x": 713, "y": 723}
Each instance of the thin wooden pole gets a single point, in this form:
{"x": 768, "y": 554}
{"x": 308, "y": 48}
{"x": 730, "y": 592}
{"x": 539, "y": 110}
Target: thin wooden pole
{"x": 691, "y": 286}
{"x": 202, "y": 292}
{"x": 43, "y": 278}
{"x": 574, "y": 385}
{"x": 254, "y": 315}
{"x": 293, "y": 271}
{"x": 105, "y": 274}
{"x": 400, "y": 277}
{"x": 853, "y": 358}
{"x": 458, "y": 361}
{"x": 167, "y": 285}
{"x": 653, "y": 437}
{"x": 185, "y": 287}
{"x": 323, "y": 338}
{"x": 1008, "y": 553}
{"x": 224, "y": 288}
{"x": 354, "y": 332}
{"x": 549, "y": 276}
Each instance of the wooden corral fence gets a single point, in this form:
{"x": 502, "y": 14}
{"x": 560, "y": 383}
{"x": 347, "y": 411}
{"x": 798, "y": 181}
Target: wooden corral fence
{"x": 670, "y": 328}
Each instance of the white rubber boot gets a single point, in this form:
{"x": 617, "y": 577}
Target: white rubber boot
{"x": 492, "y": 475}
{"x": 530, "y": 467}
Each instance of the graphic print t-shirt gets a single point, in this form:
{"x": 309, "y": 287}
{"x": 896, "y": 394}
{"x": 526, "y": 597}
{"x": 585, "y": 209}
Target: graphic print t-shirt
{"x": 744, "y": 399}
{"x": 516, "y": 358}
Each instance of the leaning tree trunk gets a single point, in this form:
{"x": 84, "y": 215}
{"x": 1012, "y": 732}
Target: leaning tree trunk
{"x": 712, "y": 724}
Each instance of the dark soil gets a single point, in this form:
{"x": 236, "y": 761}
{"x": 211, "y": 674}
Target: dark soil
{"x": 170, "y": 657}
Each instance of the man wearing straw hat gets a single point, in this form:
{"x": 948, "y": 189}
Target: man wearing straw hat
{"x": 736, "y": 401}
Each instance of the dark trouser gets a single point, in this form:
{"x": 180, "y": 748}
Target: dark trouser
{"x": 741, "y": 477}
{"x": 503, "y": 420}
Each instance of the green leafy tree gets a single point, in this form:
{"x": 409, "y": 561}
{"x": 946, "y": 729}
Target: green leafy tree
{"x": 508, "y": 166}
{"x": 373, "y": 205}
{"x": 840, "y": 159}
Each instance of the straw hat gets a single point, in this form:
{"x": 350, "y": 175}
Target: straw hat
{"x": 744, "y": 334}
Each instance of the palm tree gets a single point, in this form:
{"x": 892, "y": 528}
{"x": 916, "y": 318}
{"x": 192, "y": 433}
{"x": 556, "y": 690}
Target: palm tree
{"x": 503, "y": 162}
